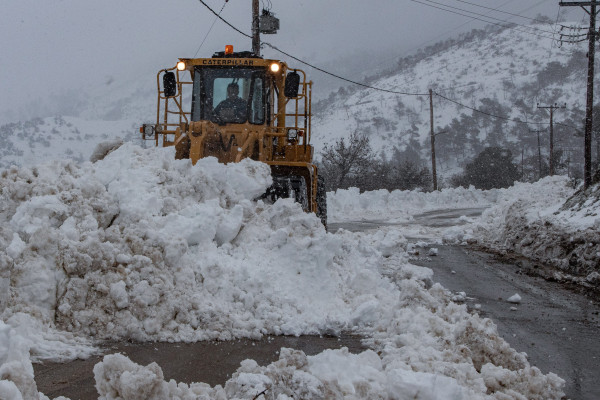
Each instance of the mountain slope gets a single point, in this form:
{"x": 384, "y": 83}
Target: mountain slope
{"x": 40, "y": 140}
{"x": 502, "y": 72}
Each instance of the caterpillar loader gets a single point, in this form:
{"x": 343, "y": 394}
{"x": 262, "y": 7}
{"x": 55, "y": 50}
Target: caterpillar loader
{"x": 238, "y": 105}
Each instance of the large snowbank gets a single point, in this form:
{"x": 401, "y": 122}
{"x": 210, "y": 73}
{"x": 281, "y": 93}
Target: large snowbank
{"x": 536, "y": 220}
{"x": 532, "y": 220}
{"x": 138, "y": 245}
{"x": 401, "y": 205}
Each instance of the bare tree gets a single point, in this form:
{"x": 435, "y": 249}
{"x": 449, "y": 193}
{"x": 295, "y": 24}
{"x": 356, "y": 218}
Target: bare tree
{"x": 346, "y": 161}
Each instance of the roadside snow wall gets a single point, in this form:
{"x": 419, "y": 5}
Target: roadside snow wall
{"x": 539, "y": 221}
{"x": 139, "y": 245}
{"x": 401, "y": 205}
{"x": 535, "y": 221}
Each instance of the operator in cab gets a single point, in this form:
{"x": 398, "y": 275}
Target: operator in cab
{"x": 233, "y": 109}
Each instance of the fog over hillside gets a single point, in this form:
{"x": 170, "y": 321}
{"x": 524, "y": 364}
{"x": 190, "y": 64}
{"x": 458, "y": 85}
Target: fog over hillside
{"x": 86, "y": 46}
{"x": 500, "y": 72}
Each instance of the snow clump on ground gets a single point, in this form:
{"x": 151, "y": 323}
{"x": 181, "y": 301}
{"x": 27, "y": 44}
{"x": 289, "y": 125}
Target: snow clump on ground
{"x": 141, "y": 246}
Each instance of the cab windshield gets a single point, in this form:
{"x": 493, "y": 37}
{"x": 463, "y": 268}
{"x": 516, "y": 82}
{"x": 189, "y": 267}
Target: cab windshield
{"x": 226, "y": 95}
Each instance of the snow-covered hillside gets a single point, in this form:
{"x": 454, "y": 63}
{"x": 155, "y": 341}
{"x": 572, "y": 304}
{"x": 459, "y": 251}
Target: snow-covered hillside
{"x": 116, "y": 109}
{"x": 504, "y": 72}
{"x": 58, "y": 138}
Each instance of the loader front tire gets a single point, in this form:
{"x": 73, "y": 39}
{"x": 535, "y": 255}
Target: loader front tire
{"x": 321, "y": 200}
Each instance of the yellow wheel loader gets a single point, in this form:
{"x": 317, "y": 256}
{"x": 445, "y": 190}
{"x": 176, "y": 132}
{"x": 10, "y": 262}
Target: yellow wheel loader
{"x": 238, "y": 105}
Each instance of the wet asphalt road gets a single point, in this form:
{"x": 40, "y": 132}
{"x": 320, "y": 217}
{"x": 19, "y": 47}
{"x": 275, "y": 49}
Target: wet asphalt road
{"x": 211, "y": 362}
{"x": 556, "y": 324}
{"x": 558, "y": 328}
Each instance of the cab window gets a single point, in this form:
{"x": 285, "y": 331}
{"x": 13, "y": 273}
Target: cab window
{"x": 225, "y": 95}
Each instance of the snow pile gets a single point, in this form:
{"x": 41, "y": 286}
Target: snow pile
{"x": 16, "y": 371}
{"x": 515, "y": 298}
{"x": 540, "y": 220}
{"x": 529, "y": 219}
{"x": 582, "y": 207}
{"x": 102, "y": 249}
{"x": 333, "y": 374}
{"x": 401, "y": 205}
{"x": 139, "y": 245}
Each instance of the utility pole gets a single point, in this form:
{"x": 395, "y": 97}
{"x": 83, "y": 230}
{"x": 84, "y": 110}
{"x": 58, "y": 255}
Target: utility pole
{"x": 433, "y": 169}
{"x": 522, "y": 162}
{"x": 587, "y": 152}
{"x": 539, "y": 153}
{"x": 597, "y": 149}
{"x": 552, "y": 108}
{"x": 255, "y": 29}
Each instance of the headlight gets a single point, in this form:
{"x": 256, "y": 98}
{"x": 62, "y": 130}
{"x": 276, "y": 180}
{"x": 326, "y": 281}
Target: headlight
{"x": 275, "y": 67}
{"x": 149, "y": 130}
{"x": 292, "y": 134}
{"x": 180, "y": 66}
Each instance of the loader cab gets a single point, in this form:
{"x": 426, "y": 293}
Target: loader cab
{"x": 234, "y": 106}
{"x": 225, "y": 95}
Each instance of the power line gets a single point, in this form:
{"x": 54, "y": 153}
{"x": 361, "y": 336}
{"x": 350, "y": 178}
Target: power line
{"x": 268, "y": 6}
{"x": 501, "y": 11}
{"x": 311, "y": 65}
{"x": 488, "y": 16}
{"x": 460, "y": 26}
{"x": 444, "y": 34}
{"x": 486, "y": 113}
{"x": 463, "y": 24}
{"x": 501, "y": 117}
{"x": 342, "y": 78}
{"x": 222, "y": 19}
{"x": 210, "y": 29}
{"x": 451, "y": 30}
{"x": 500, "y": 23}
{"x": 486, "y": 21}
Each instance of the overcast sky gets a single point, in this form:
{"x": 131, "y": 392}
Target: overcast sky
{"x": 52, "y": 46}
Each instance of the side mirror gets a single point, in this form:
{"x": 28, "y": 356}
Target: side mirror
{"x": 169, "y": 84}
{"x": 292, "y": 84}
